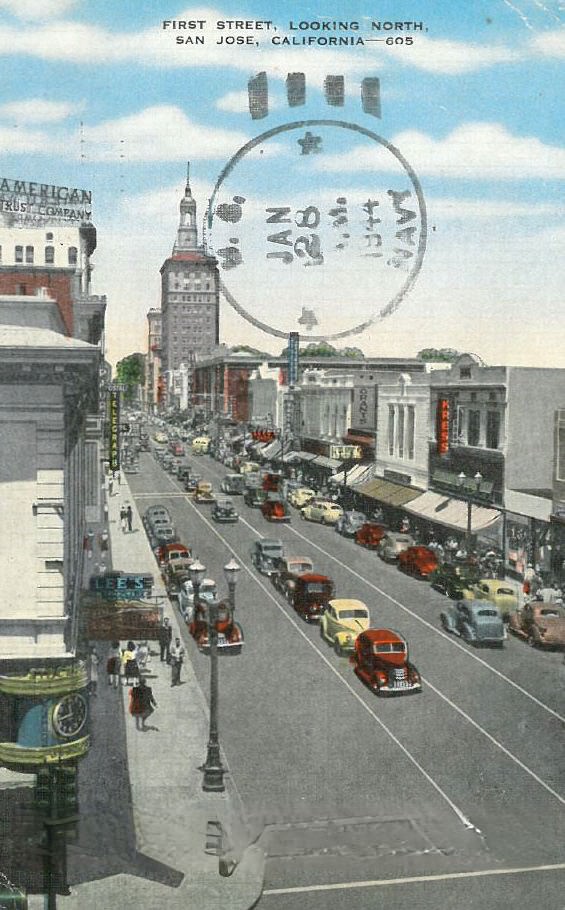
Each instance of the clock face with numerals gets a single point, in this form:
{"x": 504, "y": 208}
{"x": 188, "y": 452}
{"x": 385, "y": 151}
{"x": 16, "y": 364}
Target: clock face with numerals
{"x": 69, "y": 715}
{"x": 319, "y": 226}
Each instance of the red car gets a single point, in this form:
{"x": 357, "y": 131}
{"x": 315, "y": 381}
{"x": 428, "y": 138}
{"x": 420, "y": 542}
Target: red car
{"x": 369, "y": 535}
{"x": 418, "y": 561}
{"x": 381, "y": 661}
{"x": 230, "y": 634}
{"x": 275, "y": 509}
{"x": 171, "y": 551}
{"x": 271, "y": 482}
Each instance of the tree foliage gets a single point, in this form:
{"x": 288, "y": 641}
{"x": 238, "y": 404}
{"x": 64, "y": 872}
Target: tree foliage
{"x": 131, "y": 372}
{"x": 441, "y": 355}
{"x": 323, "y": 349}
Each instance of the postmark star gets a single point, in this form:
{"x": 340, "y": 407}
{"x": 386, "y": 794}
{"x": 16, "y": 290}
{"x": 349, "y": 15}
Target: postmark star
{"x": 310, "y": 144}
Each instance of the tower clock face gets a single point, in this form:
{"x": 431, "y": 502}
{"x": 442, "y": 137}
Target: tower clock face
{"x": 69, "y": 715}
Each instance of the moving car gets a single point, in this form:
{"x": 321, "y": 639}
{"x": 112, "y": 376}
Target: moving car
{"x": 255, "y": 498}
{"x": 208, "y": 591}
{"x": 287, "y": 570}
{"x": 200, "y": 445}
{"x": 265, "y": 554}
{"x": 234, "y": 484}
{"x": 541, "y": 624}
{"x": 323, "y": 511}
{"x": 224, "y": 512}
{"x": 393, "y": 544}
{"x": 380, "y": 659}
{"x": 453, "y": 580}
{"x": 310, "y": 595}
{"x": 343, "y": 620}
{"x": 249, "y": 467}
{"x": 349, "y": 523}
{"x": 301, "y": 497}
{"x": 369, "y": 535}
{"x": 204, "y": 492}
{"x": 419, "y": 561}
{"x": 500, "y": 593}
{"x": 191, "y": 482}
{"x": 275, "y": 509}
{"x": 475, "y": 621}
{"x": 230, "y": 633}
{"x": 271, "y": 482}
{"x": 161, "y": 438}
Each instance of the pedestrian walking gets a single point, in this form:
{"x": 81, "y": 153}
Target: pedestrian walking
{"x": 129, "y": 517}
{"x": 113, "y": 665}
{"x": 165, "y": 638}
{"x": 142, "y": 655}
{"x": 110, "y": 486}
{"x": 123, "y": 517}
{"x": 177, "y": 657}
{"x": 129, "y": 663}
{"x": 92, "y": 665}
{"x": 141, "y": 703}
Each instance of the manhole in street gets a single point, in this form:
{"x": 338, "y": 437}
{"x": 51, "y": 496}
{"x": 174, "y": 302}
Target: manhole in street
{"x": 347, "y": 837}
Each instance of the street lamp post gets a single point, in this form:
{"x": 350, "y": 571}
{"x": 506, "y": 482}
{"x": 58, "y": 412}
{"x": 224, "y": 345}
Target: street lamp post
{"x": 231, "y": 571}
{"x": 469, "y": 536}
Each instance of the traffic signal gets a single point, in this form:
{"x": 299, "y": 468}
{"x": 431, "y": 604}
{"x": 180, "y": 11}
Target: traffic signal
{"x": 43, "y": 791}
{"x": 66, "y": 786}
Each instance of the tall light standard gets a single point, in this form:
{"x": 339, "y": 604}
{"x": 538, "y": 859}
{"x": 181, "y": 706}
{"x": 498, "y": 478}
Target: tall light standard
{"x": 462, "y": 477}
{"x": 231, "y": 571}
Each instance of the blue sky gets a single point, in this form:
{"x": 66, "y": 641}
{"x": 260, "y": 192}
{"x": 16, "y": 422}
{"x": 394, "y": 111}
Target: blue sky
{"x": 475, "y": 105}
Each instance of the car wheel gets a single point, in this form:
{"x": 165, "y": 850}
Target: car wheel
{"x": 531, "y": 641}
{"x": 444, "y": 623}
{"x": 337, "y": 648}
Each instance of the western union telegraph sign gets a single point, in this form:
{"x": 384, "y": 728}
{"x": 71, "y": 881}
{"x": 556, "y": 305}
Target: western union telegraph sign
{"x": 28, "y": 204}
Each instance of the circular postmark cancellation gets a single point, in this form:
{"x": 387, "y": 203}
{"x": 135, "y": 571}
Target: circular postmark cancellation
{"x": 318, "y": 226}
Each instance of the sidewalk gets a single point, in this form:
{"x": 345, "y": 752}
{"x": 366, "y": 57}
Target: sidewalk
{"x": 171, "y": 811}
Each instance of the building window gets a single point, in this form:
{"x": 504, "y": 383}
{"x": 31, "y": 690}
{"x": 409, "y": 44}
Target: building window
{"x": 493, "y": 429}
{"x": 410, "y": 426}
{"x": 49, "y": 236}
{"x": 391, "y": 429}
{"x": 73, "y": 255}
{"x": 49, "y": 255}
{"x": 465, "y": 372}
{"x": 473, "y": 428}
{"x": 29, "y": 255}
{"x": 401, "y": 411}
{"x": 19, "y": 254}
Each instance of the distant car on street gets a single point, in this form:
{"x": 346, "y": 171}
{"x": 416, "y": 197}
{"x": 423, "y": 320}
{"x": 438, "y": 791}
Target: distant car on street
{"x": 229, "y": 632}
{"x": 301, "y": 497}
{"x": 287, "y": 570}
{"x": 475, "y": 621}
{"x": 208, "y": 591}
{"x": 224, "y": 512}
{"x": 370, "y": 535}
{"x": 275, "y": 509}
{"x": 233, "y": 484}
{"x": 453, "y": 580}
{"x": 393, "y": 544}
{"x": 541, "y": 624}
{"x": 323, "y": 511}
{"x": 501, "y": 593}
{"x": 310, "y": 595}
{"x": 343, "y": 620}
{"x": 204, "y": 492}
{"x": 349, "y": 523}
{"x": 380, "y": 659}
{"x": 265, "y": 554}
{"x": 419, "y": 561}
{"x": 255, "y": 498}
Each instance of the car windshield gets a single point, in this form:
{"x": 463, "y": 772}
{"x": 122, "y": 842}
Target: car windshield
{"x": 487, "y": 613}
{"x": 300, "y": 567}
{"x": 389, "y": 647}
{"x": 316, "y": 587}
{"x": 505, "y": 591}
{"x": 271, "y": 550}
{"x": 352, "y": 614}
{"x": 356, "y": 516}
{"x": 553, "y": 611}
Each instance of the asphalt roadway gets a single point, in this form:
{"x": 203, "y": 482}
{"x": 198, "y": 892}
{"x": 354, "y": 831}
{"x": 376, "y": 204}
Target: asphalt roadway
{"x": 451, "y": 798}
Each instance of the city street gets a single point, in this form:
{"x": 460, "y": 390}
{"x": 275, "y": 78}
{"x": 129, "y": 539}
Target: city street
{"x": 459, "y": 789}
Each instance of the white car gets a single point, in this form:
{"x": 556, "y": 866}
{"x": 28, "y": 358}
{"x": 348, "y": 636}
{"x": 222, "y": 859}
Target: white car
{"x": 208, "y": 591}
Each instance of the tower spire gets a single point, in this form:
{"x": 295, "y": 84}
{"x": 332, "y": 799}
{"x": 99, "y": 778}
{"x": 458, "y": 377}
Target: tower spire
{"x": 187, "y": 234}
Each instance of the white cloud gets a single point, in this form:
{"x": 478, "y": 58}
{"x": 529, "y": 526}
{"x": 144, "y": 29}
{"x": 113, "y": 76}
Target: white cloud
{"x": 37, "y": 9}
{"x": 37, "y": 110}
{"x": 550, "y": 44}
{"x": 238, "y": 102}
{"x": 473, "y": 151}
{"x": 451, "y": 57}
{"x": 15, "y": 141}
{"x": 487, "y": 209}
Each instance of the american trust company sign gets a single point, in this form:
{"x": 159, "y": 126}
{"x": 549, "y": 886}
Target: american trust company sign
{"x": 28, "y": 204}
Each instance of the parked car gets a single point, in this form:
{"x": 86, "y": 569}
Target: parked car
{"x": 369, "y": 535}
{"x": 224, "y": 512}
{"x": 162, "y": 534}
{"x": 310, "y": 595}
{"x": 380, "y": 659}
{"x": 393, "y": 544}
{"x": 541, "y": 624}
{"x": 176, "y": 449}
{"x": 349, "y": 523}
{"x": 500, "y": 593}
{"x": 301, "y": 497}
{"x": 287, "y": 570}
{"x": 419, "y": 561}
{"x": 170, "y": 552}
{"x": 275, "y": 509}
{"x": 271, "y": 482}
{"x": 475, "y": 621}
{"x": 453, "y": 580}
{"x": 154, "y": 512}
{"x": 249, "y": 467}
{"x": 230, "y": 633}
{"x": 208, "y": 591}
{"x": 254, "y": 498}
{"x": 161, "y": 438}
{"x": 176, "y": 573}
{"x": 323, "y": 511}
{"x": 343, "y": 620}
{"x": 234, "y": 484}
{"x": 265, "y": 554}
{"x": 204, "y": 492}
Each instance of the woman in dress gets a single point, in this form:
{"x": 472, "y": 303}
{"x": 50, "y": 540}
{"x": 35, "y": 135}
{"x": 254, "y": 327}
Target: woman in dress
{"x": 129, "y": 663}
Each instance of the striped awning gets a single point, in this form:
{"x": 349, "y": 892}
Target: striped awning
{"x": 453, "y": 513}
{"x": 393, "y": 494}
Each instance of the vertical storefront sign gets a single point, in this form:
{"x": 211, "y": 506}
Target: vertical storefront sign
{"x": 293, "y": 348}
{"x": 114, "y": 439}
{"x": 442, "y": 433}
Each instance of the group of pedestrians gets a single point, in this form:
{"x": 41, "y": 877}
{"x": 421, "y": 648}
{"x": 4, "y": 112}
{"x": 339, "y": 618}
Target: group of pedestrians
{"x": 126, "y": 517}
{"x": 171, "y": 652}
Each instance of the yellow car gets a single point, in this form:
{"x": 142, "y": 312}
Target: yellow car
{"x": 161, "y": 438}
{"x": 499, "y": 592}
{"x": 322, "y": 510}
{"x": 249, "y": 467}
{"x": 301, "y": 497}
{"x": 341, "y": 623}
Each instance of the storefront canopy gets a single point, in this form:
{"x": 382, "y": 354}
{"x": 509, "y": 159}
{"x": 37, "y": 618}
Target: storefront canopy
{"x": 393, "y": 494}
{"x": 272, "y": 450}
{"x": 353, "y": 475}
{"x": 291, "y": 457}
{"x": 322, "y": 461}
{"x": 306, "y": 456}
{"x": 453, "y": 513}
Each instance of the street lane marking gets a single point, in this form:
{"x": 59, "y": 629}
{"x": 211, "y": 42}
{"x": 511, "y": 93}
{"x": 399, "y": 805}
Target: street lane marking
{"x": 462, "y": 817}
{"x": 413, "y": 879}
